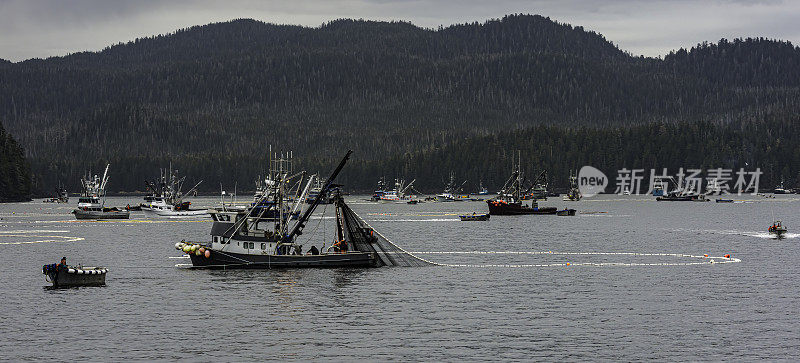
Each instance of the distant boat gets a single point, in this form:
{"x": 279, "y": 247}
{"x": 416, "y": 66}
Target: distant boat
{"x": 452, "y": 193}
{"x": 780, "y": 189}
{"x": 777, "y": 229}
{"x": 482, "y": 190}
{"x": 724, "y": 200}
{"x": 474, "y": 217}
{"x": 574, "y": 194}
{"x": 60, "y": 196}
{"x": 680, "y": 194}
{"x": 317, "y": 190}
{"x": 509, "y": 202}
{"x": 90, "y": 206}
{"x": 166, "y": 198}
{"x": 566, "y": 212}
{"x": 658, "y": 190}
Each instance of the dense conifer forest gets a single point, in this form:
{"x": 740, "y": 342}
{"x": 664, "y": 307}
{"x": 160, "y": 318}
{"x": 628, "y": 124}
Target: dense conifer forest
{"x": 15, "y": 178}
{"x": 410, "y": 101}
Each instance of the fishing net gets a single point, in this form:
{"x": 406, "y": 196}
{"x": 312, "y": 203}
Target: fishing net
{"x": 360, "y": 236}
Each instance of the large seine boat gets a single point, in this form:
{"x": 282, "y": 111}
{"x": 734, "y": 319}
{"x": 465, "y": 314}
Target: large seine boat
{"x": 263, "y": 236}
{"x": 510, "y": 201}
{"x": 90, "y": 204}
{"x": 166, "y": 198}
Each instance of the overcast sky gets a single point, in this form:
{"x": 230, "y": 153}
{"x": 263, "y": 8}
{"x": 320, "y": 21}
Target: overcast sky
{"x": 43, "y": 28}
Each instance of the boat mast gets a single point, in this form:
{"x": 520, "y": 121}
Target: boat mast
{"x": 519, "y": 176}
{"x": 301, "y": 222}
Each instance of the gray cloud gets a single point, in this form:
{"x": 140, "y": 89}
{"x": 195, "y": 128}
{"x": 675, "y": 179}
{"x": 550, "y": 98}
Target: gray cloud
{"x": 43, "y": 28}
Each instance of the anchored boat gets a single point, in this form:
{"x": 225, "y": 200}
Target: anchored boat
{"x": 574, "y": 193}
{"x": 90, "y": 206}
{"x": 509, "y": 202}
{"x": 166, "y": 198}
{"x": 452, "y": 193}
{"x": 266, "y": 238}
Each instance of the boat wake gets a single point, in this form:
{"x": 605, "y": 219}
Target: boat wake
{"x": 755, "y": 234}
{"x": 35, "y": 236}
{"x": 417, "y": 220}
{"x": 566, "y": 256}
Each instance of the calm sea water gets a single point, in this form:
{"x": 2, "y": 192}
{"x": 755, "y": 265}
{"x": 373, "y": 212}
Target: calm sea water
{"x": 153, "y": 310}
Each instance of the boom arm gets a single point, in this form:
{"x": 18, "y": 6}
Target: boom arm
{"x": 301, "y": 222}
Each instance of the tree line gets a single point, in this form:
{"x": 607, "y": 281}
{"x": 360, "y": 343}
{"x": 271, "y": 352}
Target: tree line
{"x": 219, "y": 95}
{"x": 15, "y": 177}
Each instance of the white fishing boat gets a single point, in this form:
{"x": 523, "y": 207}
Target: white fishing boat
{"x": 452, "y": 193}
{"x": 399, "y": 193}
{"x": 166, "y": 198}
{"x": 90, "y": 206}
{"x": 574, "y": 193}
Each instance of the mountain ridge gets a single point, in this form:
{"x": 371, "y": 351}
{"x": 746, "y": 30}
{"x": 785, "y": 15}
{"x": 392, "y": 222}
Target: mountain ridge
{"x": 382, "y": 88}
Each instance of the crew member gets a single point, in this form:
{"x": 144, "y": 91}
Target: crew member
{"x": 63, "y": 264}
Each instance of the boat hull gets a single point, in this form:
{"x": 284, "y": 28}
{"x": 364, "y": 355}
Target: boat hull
{"x": 509, "y": 209}
{"x": 77, "y": 277}
{"x": 476, "y": 217}
{"x": 178, "y": 213}
{"x": 91, "y": 214}
{"x": 226, "y": 260}
{"x": 687, "y": 198}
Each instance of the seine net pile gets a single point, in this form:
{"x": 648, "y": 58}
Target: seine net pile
{"x": 362, "y": 237}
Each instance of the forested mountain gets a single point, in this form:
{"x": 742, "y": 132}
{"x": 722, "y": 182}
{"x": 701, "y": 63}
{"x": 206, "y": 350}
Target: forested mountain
{"x": 15, "y": 178}
{"x": 772, "y": 145}
{"x": 212, "y": 98}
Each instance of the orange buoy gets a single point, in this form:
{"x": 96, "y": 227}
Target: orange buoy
{"x": 728, "y": 256}
{"x": 706, "y": 255}
{"x": 208, "y": 254}
{"x": 567, "y": 263}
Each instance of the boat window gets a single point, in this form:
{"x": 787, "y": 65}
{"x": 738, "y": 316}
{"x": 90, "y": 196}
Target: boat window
{"x": 252, "y": 245}
{"x": 263, "y": 246}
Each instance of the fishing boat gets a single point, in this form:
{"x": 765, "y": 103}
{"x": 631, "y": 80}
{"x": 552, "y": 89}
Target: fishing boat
{"x": 316, "y": 190}
{"x": 60, "y": 195}
{"x": 777, "y": 229}
{"x": 166, "y": 198}
{"x": 256, "y": 239}
{"x": 399, "y": 193}
{"x": 74, "y": 276}
{"x": 481, "y": 189}
{"x": 474, "y": 217}
{"x": 510, "y": 202}
{"x": 681, "y": 194}
{"x": 574, "y": 194}
{"x": 719, "y": 200}
{"x": 566, "y": 212}
{"x": 380, "y": 190}
{"x": 780, "y": 189}
{"x": 90, "y": 206}
{"x": 539, "y": 190}
{"x": 452, "y": 193}
{"x": 658, "y": 189}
